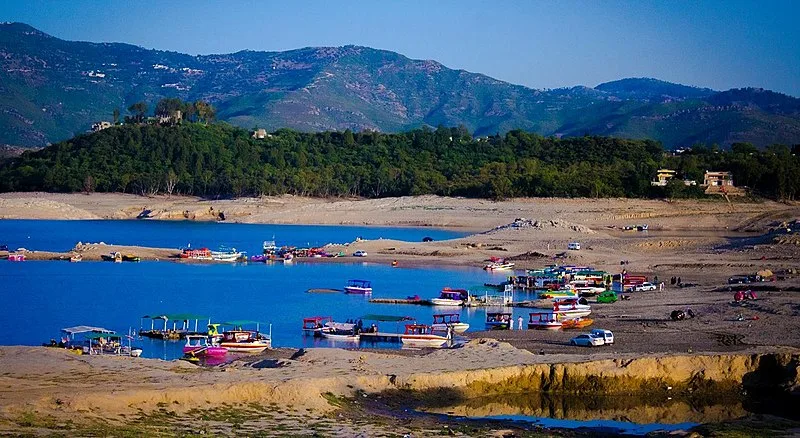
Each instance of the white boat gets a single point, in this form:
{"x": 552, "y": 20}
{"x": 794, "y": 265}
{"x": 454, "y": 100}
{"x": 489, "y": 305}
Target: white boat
{"x": 226, "y": 256}
{"x": 361, "y": 287}
{"x": 419, "y": 335}
{"x": 341, "y": 336}
{"x": 451, "y": 297}
{"x": 441, "y": 322}
{"x": 544, "y": 321}
{"x": 498, "y": 320}
{"x": 499, "y": 266}
{"x": 571, "y": 308}
{"x": 240, "y": 340}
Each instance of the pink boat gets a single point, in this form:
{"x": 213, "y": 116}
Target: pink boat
{"x": 197, "y": 345}
{"x": 16, "y": 257}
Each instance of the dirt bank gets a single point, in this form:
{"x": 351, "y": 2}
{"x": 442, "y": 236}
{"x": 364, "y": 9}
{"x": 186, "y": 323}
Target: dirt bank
{"x": 54, "y": 384}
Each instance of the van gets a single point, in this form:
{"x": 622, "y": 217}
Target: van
{"x": 606, "y": 335}
{"x": 574, "y": 246}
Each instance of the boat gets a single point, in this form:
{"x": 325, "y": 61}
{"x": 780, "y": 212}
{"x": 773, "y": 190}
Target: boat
{"x": 571, "y": 308}
{"x": 198, "y": 345}
{"x": 362, "y": 287}
{"x": 112, "y": 257}
{"x": 498, "y": 320}
{"x": 558, "y": 293}
{"x": 259, "y": 258}
{"x": 341, "y": 335}
{"x": 130, "y": 258}
{"x": 17, "y": 257}
{"x": 575, "y": 323}
{"x": 451, "y": 297}
{"x": 544, "y": 321}
{"x": 420, "y": 335}
{"x": 196, "y": 254}
{"x": 226, "y": 255}
{"x": 498, "y": 264}
{"x": 181, "y": 326}
{"x": 76, "y": 258}
{"x": 443, "y": 321}
{"x": 239, "y": 340}
{"x": 315, "y": 325}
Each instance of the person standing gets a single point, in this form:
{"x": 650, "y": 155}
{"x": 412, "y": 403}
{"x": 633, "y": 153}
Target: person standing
{"x": 519, "y": 323}
{"x": 511, "y": 322}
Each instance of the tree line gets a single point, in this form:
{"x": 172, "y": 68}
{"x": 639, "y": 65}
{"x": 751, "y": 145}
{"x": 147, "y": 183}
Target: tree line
{"x": 219, "y": 160}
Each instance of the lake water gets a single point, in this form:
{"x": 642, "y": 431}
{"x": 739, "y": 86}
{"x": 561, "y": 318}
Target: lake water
{"x": 44, "y": 296}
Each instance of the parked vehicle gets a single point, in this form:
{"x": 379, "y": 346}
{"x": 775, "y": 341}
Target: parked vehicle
{"x": 606, "y": 335}
{"x": 587, "y": 340}
{"x": 360, "y": 253}
{"x": 607, "y": 297}
{"x": 644, "y": 287}
{"x": 575, "y": 246}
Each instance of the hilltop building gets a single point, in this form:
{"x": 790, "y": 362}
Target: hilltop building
{"x": 99, "y": 126}
{"x": 720, "y": 182}
{"x": 260, "y": 134}
{"x": 663, "y": 176}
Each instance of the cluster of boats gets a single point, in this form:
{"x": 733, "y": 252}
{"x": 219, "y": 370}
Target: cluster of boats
{"x": 442, "y": 331}
{"x": 84, "y": 339}
{"x": 223, "y": 255}
{"x": 112, "y": 257}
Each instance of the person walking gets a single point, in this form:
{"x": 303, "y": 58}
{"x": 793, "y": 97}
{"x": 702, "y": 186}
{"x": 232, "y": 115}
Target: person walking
{"x": 519, "y": 323}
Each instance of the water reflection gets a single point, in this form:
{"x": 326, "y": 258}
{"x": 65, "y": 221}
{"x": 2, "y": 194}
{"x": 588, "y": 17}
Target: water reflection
{"x": 596, "y": 411}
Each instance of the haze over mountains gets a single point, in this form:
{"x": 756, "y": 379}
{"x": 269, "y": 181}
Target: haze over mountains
{"x": 51, "y": 89}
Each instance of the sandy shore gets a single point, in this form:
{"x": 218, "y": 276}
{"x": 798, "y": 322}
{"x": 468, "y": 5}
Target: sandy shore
{"x": 704, "y": 242}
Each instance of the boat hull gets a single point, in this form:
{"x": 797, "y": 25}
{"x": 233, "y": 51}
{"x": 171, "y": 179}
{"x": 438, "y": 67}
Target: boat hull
{"x": 446, "y": 302}
{"x": 245, "y": 347}
{"x": 545, "y": 326}
{"x": 358, "y": 290}
{"x": 206, "y": 351}
{"x": 497, "y": 325}
{"x": 459, "y": 327}
{"x": 340, "y": 337}
{"x": 424, "y": 340}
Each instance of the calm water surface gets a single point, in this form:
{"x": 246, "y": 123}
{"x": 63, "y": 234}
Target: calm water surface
{"x": 44, "y": 296}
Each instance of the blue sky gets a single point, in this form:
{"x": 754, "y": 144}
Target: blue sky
{"x": 540, "y": 44}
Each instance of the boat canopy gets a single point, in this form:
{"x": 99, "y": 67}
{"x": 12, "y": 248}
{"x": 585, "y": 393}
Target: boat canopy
{"x": 386, "y": 318}
{"x": 85, "y": 329}
{"x": 359, "y": 283}
{"x": 316, "y": 318}
{"x": 102, "y": 335}
{"x": 175, "y": 316}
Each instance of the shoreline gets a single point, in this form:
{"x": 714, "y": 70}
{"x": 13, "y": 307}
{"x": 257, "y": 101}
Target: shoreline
{"x": 705, "y": 243}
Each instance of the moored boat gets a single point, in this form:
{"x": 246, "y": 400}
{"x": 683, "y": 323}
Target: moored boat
{"x": 239, "y": 340}
{"x": 196, "y": 254}
{"x": 341, "y": 335}
{"x": 443, "y": 321}
{"x": 420, "y": 335}
{"x": 451, "y": 297}
{"x": 362, "y": 287}
{"x": 498, "y": 264}
{"x": 315, "y": 325}
{"x": 226, "y": 255}
{"x": 544, "y": 321}
{"x": 17, "y": 257}
{"x": 130, "y": 258}
{"x": 75, "y": 258}
{"x": 498, "y": 320}
{"x": 571, "y": 308}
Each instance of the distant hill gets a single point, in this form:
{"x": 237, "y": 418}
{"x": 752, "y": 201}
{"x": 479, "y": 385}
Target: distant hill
{"x": 51, "y": 89}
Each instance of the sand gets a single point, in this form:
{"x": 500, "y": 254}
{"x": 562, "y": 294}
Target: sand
{"x": 703, "y": 242}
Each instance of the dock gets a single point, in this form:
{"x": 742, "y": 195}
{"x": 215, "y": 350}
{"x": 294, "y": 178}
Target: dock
{"x": 400, "y": 301}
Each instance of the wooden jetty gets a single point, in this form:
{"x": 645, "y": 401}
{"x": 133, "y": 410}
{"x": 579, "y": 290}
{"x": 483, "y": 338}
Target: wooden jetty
{"x": 400, "y": 301}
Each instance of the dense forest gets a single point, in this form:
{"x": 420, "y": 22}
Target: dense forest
{"x": 218, "y": 160}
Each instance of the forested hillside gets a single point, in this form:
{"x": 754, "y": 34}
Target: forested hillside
{"x": 220, "y": 160}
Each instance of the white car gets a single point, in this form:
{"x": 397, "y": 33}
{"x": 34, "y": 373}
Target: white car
{"x": 587, "y": 340}
{"x": 606, "y": 335}
{"x": 360, "y": 254}
{"x": 575, "y": 246}
{"x": 644, "y": 287}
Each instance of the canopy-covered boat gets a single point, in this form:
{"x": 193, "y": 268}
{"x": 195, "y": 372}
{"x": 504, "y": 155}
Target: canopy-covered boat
{"x": 498, "y": 320}
{"x": 315, "y": 325}
{"x": 443, "y": 321}
{"x": 362, "y": 287}
{"x": 544, "y": 321}
{"x": 571, "y": 308}
{"x": 420, "y": 335}
{"x": 451, "y": 297}
{"x": 239, "y": 340}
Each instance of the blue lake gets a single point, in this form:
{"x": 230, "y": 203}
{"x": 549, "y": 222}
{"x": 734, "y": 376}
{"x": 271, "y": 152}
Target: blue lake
{"x": 44, "y": 296}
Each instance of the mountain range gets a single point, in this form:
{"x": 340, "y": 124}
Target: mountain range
{"x": 52, "y": 89}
